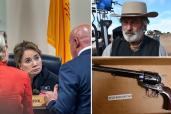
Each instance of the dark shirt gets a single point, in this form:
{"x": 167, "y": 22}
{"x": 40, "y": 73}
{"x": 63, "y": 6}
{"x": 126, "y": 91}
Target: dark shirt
{"x": 149, "y": 47}
{"x": 44, "y": 80}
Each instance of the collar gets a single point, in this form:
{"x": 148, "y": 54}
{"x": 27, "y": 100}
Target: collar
{"x": 86, "y": 48}
{"x": 3, "y": 63}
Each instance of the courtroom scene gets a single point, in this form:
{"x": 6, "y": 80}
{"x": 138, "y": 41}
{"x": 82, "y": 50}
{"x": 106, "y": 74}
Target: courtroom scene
{"x": 131, "y": 28}
{"x": 45, "y": 57}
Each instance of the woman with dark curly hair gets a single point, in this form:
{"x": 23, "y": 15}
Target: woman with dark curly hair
{"x": 27, "y": 56}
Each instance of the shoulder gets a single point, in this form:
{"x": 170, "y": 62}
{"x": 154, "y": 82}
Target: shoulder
{"x": 16, "y": 70}
{"x": 107, "y": 50}
{"x": 162, "y": 51}
{"x": 83, "y": 58}
{"x": 149, "y": 39}
{"x": 80, "y": 60}
{"x": 78, "y": 64}
{"x": 17, "y": 73}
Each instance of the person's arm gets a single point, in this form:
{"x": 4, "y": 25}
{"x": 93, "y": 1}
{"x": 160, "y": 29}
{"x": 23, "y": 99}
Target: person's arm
{"x": 27, "y": 97}
{"x": 162, "y": 51}
{"x": 67, "y": 95}
{"x": 107, "y": 50}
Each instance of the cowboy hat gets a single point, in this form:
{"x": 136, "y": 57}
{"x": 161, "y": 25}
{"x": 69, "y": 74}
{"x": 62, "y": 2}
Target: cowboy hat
{"x": 132, "y": 8}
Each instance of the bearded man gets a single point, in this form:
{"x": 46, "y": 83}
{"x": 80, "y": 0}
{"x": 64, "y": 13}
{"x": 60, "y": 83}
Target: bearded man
{"x": 133, "y": 41}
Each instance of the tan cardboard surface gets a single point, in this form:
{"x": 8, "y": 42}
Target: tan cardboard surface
{"x": 104, "y": 85}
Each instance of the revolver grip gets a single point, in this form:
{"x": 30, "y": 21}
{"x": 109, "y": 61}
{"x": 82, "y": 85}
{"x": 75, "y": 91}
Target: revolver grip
{"x": 166, "y": 93}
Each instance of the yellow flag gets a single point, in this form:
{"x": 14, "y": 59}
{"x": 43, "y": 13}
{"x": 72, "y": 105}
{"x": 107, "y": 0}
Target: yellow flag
{"x": 59, "y": 28}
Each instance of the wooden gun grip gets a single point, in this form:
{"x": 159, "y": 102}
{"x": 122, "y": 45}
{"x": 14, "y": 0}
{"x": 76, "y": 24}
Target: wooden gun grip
{"x": 166, "y": 93}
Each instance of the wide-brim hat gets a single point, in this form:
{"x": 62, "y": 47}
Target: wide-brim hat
{"x": 132, "y": 9}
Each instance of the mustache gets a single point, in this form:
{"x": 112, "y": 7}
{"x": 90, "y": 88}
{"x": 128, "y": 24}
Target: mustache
{"x": 130, "y": 32}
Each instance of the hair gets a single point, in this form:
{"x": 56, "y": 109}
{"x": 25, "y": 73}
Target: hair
{"x": 145, "y": 20}
{"x": 21, "y": 48}
{"x": 3, "y": 44}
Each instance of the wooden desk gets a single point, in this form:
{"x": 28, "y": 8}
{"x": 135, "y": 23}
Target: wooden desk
{"x": 41, "y": 110}
{"x": 39, "y": 105}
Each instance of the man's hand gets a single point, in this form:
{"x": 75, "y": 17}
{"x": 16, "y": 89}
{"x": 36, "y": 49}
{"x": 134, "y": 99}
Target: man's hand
{"x": 51, "y": 95}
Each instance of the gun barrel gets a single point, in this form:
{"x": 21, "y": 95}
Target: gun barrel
{"x": 143, "y": 76}
{"x": 117, "y": 71}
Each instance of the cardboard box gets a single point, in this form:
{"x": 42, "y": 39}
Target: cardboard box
{"x": 121, "y": 95}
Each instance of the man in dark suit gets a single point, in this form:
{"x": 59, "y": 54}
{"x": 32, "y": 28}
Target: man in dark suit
{"x": 74, "y": 95}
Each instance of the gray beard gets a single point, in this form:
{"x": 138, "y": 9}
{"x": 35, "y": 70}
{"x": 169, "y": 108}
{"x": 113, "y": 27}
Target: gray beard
{"x": 136, "y": 36}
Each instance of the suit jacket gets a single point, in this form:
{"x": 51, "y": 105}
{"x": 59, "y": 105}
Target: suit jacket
{"x": 74, "y": 86}
{"x": 15, "y": 91}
